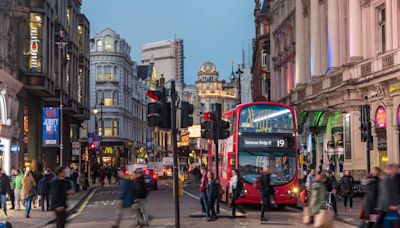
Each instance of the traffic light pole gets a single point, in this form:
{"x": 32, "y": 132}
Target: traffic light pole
{"x": 175, "y": 153}
{"x": 216, "y": 137}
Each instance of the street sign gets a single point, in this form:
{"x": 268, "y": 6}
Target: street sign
{"x": 76, "y": 148}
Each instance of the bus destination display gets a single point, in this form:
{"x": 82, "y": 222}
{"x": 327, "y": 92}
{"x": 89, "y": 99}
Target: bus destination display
{"x": 257, "y": 142}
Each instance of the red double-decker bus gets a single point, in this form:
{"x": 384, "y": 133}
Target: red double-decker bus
{"x": 261, "y": 134}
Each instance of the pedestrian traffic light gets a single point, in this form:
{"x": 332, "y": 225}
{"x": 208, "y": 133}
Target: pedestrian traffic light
{"x": 365, "y": 128}
{"x": 186, "y": 114}
{"x": 207, "y": 126}
{"x": 158, "y": 111}
{"x": 223, "y": 129}
{"x": 92, "y": 147}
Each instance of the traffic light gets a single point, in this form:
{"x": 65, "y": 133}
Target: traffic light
{"x": 186, "y": 114}
{"x": 365, "y": 127}
{"x": 158, "y": 111}
{"x": 92, "y": 147}
{"x": 207, "y": 126}
{"x": 223, "y": 129}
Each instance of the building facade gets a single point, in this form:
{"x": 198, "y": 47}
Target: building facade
{"x": 260, "y": 69}
{"x": 167, "y": 57}
{"x": 346, "y": 55}
{"x": 36, "y": 72}
{"x": 118, "y": 101}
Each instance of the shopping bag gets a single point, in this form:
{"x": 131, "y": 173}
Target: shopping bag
{"x": 306, "y": 215}
{"x": 303, "y": 196}
{"x": 324, "y": 219}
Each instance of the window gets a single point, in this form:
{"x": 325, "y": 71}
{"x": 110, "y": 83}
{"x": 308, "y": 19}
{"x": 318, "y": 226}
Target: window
{"x": 99, "y": 70}
{"x": 382, "y": 29}
{"x": 108, "y": 98}
{"x": 115, "y": 73}
{"x": 264, "y": 58}
{"x": 107, "y": 73}
{"x": 107, "y": 128}
{"x": 115, "y": 98}
{"x": 108, "y": 43}
{"x": 115, "y": 127}
{"x": 99, "y": 45}
{"x": 262, "y": 28}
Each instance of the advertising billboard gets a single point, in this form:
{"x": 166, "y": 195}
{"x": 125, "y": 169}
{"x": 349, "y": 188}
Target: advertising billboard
{"x": 51, "y": 126}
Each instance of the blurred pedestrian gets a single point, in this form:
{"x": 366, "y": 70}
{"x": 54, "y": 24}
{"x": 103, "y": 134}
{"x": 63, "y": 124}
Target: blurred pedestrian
{"x": 310, "y": 179}
{"x": 18, "y": 189}
{"x": 59, "y": 191}
{"x": 371, "y": 196}
{"x": 318, "y": 196}
{"x": 74, "y": 180}
{"x": 102, "y": 176}
{"x": 331, "y": 188}
{"x": 12, "y": 188}
{"x": 196, "y": 174}
{"x": 28, "y": 191}
{"x": 267, "y": 191}
{"x": 115, "y": 174}
{"x": 44, "y": 190}
{"x": 109, "y": 174}
{"x": 140, "y": 193}
{"x": 389, "y": 193}
{"x": 203, "y": 191}
{"x": 346, "y": 188}
{"x": 235, "y": 189}
{"x": 212, "y": 195}
{"x": 4, "y": 188}
{"x": 82, "y": 181}
{"x": 126, "y": 196}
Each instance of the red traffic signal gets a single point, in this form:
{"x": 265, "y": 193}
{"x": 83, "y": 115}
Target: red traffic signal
{"x": 208, "y": 116}
{"x": 92, "y": 146}
{"x": 154, "y": 94}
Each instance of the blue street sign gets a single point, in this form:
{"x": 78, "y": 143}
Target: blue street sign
{"x": 149, "y": 144}
{"x": 51, "y": 126}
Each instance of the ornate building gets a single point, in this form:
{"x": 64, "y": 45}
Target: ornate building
{"x": 260, "y": 70}
{"x": 347, "y": 54}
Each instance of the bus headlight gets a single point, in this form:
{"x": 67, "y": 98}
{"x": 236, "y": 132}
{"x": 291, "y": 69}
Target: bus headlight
{"x": 295, "y": 190}
{"x": 245, "y": 191}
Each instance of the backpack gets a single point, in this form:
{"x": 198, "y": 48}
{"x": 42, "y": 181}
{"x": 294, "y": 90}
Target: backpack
{"x": 221, "y": 191}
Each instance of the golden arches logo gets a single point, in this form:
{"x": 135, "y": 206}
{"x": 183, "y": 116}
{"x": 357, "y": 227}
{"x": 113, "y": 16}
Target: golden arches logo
{"x": 108, "y": 150}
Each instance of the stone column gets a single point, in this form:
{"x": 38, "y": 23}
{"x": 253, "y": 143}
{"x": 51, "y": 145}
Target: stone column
{"x": 333, "y": 34}
{"x": 389, "y": 28}
{"x": 315, "y": 41}
{"x": 395, "y": 24}
{"x": 355, "y": 34}
{"x": 300, "y": 76}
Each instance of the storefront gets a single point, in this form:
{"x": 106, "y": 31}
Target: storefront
{"x": 380, "y": 128}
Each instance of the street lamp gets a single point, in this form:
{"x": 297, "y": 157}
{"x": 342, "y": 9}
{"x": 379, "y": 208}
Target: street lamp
{"x": 239, "y": 72}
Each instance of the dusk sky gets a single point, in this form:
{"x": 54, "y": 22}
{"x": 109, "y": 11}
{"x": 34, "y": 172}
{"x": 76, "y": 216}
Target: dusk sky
{"x": 212, "y": 30}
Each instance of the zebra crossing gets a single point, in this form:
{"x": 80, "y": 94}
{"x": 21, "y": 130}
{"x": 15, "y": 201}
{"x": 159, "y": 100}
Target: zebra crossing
{"x": 103, "y": 203}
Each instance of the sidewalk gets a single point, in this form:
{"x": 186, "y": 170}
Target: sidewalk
{"x": 38, "y": 218}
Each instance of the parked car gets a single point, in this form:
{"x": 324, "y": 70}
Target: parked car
{"x": 151, "y": 179}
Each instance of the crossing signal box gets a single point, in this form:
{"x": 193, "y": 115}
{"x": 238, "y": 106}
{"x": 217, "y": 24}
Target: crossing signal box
{"x": 223, "y": 129}
{"x": 207, "y": 126}
{"x": 365, "y": 128}
{"x": 186, "y": 114}
{"x": 159, "y": 110}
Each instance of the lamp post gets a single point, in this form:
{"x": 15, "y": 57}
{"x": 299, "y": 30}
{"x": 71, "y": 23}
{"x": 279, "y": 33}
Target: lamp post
{"x": 102, "y": 131}
{"x": 239, "y": 72}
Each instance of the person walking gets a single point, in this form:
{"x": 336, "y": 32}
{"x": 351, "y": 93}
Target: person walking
{"x": 74, "y": 180}
{"x": 109, "y": 174}
{"x": 331, "y": 188}
{"x": 59, "y": 191}
{"x": 28, "y": 191}
{"x": 44, "y": 190}
{"x": 346, "y": 187}
{"x": 12, "y": 188}
{"x": 126, "y": 196}
{"x": 4, "y": 188}
{"x": 140, "y": 193}
{"x": 203, "y": 191}
{"x": 18, "y": 189}
{"x": 371, "y": 196}
{"x": 267, "y": 191}
{"x": 310, "y": 179}
{"x": 235, "y": 188}
{"x": 318, "y": 196}
{"x": 212, "y": 194}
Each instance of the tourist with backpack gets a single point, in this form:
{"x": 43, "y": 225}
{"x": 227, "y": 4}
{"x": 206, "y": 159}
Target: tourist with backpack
{"x": 235, "y": 189}
{"x": 212, "y": 196}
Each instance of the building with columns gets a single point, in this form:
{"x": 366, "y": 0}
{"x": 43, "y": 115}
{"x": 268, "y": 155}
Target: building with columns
{"x": 119, "y": 98}
{"x": 346, "y": 55}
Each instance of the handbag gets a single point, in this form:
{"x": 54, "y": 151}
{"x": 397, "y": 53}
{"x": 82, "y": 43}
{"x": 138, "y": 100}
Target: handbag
{"x": 306, "y": 215}
{"x": 324, "y": 219}
{"x": 31, "y": 193}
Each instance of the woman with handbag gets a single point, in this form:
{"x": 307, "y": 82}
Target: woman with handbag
{"x": 28, "y": 191}
{"x": 235, "y": 188}
{"x": 318, "y": 196}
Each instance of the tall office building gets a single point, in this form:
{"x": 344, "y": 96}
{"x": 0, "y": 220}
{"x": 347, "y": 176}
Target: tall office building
{"x": 167, "y": 56}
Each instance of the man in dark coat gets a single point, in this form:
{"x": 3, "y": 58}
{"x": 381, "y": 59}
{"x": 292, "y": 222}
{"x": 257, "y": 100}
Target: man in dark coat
{"x": 371, "y": 198}
{"x": 266, "y": 191}
{"x": 140, "y": 193}
{"x": 126, "y": 196}
{"x": 331, "y": 187}
{"x": 4, "y": 188}
{"x": 44, "y": 190}
{"x": 59, "y": 191}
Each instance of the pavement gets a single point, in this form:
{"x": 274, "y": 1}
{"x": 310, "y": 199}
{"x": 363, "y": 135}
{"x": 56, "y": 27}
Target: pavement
{"x": 100, "y": 208}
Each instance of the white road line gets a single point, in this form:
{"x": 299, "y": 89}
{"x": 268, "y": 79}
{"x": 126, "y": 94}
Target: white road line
{"x": 198, "y": 198}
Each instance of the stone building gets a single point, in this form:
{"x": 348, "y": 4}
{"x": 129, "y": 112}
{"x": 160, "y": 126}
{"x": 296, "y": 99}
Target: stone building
{"x": 118, "y": 96}
{"x": 346, "y": 55}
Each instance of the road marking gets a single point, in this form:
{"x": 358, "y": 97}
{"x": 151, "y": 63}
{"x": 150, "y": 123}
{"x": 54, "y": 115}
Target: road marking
{"x": 197, "y": 198}
{"x": 83, "y": 206}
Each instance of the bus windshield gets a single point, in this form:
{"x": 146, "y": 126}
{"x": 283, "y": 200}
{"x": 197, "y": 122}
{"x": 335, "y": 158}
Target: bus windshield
{"x": 266, "y": 119}
{"x": 283, "y": 166}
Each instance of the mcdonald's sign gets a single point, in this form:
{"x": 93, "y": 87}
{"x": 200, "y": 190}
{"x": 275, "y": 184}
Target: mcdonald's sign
{"x": 108, "y": 151}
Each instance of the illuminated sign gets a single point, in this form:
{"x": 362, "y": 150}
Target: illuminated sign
{"x": 395, "y": 88}
{"x": 51, "y": 126}
{"x": 108, "y": 150}
{"x": 34, "y": 48}
{"x": 380, "y": 118}
{"x": 262, "y": 142}
{"x": 194, "y": 131}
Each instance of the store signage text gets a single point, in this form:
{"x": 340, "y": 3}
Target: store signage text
{"x": 395, "y": 88}
{"x": 264, "y": 143}
{"x": 34, "y": 48}
{"x": 380, "y": 118}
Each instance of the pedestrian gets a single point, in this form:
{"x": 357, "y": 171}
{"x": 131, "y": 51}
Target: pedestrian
{"x": 82, "y": 181}
{"x": 59, "y": 191}
{"x": 318, "y": 196}
{"x": 212, "y": 195}
{"x": 196, "y": 174}
{"x": 140, "y": 193}
{"x": 18, "y": 189}
{"x": 389, "y": 193}
{"x": 109, "y": 174}
{"x": 267, "y": 191}
{"x": 4, "y": 188}
{"x": 74, "y": 180}
{"x": 44, "y": 190}
{"x": 126, "y": 196}
{"x": 115, "y": 174}
{"x": 102, "y": 176}
{"x": 28, "y": 191}
{"x": 331, "y": 188}
{"x": 235, "y": 188}
{"x": 203, "y": 191}
{"x": 346, "y": 187}
{"x": 310, "y": 179}
{"x": 12, "y": 188}
{"x": 371, "y": 197}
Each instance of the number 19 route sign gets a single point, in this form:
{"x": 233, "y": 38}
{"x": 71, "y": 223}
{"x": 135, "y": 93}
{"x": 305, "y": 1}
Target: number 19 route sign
{"x": 51, "y": 126}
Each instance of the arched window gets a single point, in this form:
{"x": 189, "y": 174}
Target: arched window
{"x": 108, "y": 43}
{"x": 99, "y": 45}
{"x": 264, "y": 58}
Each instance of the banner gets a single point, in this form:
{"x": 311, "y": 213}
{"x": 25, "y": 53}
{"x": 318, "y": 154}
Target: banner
{"x": 51, "y": 126}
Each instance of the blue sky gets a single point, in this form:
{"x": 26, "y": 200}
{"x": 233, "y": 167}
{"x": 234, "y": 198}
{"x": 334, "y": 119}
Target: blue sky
{"x": 212, "y": 30}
